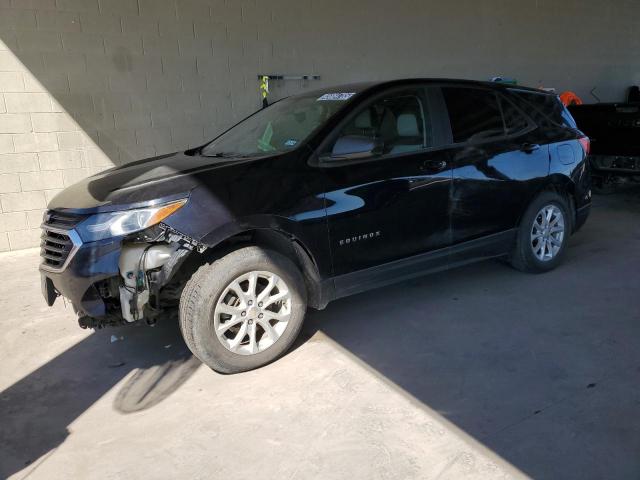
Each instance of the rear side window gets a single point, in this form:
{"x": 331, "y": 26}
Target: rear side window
{"x": 548, "y": 105}
{"x": 474, "y": 114}
{"x": 514, "y": 121}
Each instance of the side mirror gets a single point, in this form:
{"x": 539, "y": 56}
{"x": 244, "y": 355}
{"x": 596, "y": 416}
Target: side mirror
{"x": 352, "y": 147}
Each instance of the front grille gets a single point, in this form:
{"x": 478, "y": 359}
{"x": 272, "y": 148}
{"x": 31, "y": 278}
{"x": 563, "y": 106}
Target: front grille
{"x": 55, "y": 248}
{"x": 63, "y": 221}
{"x": 57, "y": 243}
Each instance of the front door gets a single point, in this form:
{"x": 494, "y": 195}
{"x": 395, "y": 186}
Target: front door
{"x": 393, "y": 204}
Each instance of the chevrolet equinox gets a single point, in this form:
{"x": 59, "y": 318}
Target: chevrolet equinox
{"x": 316, "y": 197}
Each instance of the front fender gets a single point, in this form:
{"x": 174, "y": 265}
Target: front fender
{"x": 312, "y": 235}
{"x": 214, "y": 215}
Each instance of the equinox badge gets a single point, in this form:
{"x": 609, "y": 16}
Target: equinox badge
{"x": 359, "y": 238}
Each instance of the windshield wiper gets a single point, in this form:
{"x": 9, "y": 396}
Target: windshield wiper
{"x": 218, "y": 155}
{"x": 229, "y": 155}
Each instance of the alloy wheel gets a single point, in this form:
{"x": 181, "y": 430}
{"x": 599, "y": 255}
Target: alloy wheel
{"x": 253, "y": 312}
{"x": 547, "y": 233}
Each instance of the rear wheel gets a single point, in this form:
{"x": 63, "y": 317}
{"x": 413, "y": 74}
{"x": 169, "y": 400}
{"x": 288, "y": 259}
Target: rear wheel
{"x": 243, "y": 310}
{"x": 543, "y": 234}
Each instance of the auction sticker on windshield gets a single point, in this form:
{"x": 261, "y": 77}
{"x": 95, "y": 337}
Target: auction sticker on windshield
{"x": 336, "y": 96}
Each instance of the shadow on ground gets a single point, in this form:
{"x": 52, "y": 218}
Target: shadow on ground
{"x": 543, "y": 370}
{"x": 38, "y": 409}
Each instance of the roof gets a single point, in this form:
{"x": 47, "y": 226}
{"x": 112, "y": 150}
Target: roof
{"x": 363, "y": 86}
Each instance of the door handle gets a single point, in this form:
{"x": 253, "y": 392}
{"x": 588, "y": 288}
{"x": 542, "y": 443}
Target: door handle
{"x": 529, "y": 147}
{"x": 434, "y": 165}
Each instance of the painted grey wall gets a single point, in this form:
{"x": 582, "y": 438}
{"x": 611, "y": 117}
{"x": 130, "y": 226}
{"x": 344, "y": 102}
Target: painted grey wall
{"x": 86, "y": 84}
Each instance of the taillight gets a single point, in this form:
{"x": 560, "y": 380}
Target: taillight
{"x": 586, "y": 144}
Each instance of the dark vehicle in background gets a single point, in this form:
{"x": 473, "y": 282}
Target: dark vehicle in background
{"x": 614, "y": 130}
{"x": 317, "y": 197}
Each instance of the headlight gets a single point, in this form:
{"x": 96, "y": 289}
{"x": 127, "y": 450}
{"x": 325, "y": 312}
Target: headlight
{"x": 115, "y": 224}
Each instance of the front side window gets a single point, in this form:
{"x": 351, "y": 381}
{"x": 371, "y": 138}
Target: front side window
{"x": 474, "y": 114}
{"x": 278, "y": 128}
{"x": 396, "y": 123}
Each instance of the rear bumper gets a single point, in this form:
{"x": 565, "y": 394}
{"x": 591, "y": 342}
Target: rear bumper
{"x": 582, "y": 214}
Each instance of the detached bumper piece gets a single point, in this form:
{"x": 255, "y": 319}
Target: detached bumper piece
{"x": 98, "y": 323}
{"x": 49, "y": 291}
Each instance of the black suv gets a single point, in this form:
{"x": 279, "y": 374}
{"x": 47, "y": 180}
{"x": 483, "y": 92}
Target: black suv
{"x": 313, "y": 198}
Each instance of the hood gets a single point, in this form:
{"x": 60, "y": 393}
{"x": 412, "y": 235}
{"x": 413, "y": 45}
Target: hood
{"x": 150, "y": 181}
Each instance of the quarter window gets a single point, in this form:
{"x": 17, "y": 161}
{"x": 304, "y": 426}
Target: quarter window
{"x": 548, "y": 105}
{"x": 474, "y": 114}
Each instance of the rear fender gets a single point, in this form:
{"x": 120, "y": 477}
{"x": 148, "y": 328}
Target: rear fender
{"x": 560, "y": 184}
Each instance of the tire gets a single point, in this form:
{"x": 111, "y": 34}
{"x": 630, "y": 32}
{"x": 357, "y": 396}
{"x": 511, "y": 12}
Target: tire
{"x": 526, "y": 254}
{"x": 203, "y": 309}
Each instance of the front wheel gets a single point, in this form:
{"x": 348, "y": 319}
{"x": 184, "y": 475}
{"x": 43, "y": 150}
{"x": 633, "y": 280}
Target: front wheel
{"x": 543, "y": 234}
{"x": 244, "y": 310}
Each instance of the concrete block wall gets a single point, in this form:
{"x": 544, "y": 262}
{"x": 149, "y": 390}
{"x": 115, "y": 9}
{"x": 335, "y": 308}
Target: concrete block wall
{"x": 88, "y": 84}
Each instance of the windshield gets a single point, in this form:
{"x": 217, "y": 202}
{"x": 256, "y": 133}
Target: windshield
{"x": 278, "y": 128}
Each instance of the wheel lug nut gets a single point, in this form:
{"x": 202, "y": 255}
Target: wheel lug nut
{"x": 243, "y": 313}
{"x": 250, "y": 302}
{"x": 260, "y": 315}
{"x": 250, "y": 322}
{"x": 260, "y": 304}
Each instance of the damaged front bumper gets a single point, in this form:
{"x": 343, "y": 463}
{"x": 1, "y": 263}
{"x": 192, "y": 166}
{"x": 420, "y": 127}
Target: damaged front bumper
{"x": 77, "y": 279}
{"x": 110, "y": 281}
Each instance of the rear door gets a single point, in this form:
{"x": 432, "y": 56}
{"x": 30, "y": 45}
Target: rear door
{"x": 499, "y": 162}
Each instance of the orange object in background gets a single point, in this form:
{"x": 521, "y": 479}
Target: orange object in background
{"x": 569, "y": 98}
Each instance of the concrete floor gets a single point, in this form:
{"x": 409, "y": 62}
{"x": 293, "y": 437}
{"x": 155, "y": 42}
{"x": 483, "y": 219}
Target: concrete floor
{"x": 481, "y": 372}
